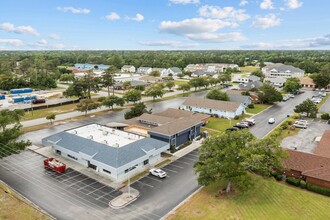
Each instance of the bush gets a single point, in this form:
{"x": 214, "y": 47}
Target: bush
{"x": 290, "y": 122}
{"x": 303, "y": 184}
{"x": 173, "y": 149}
{"x": 251, "y": 105}
{"x": 236, "y": 117}
{"x": 325, "y": 116}
{"x": 277, "y": 175}
{"x": 293, "y": 181}
{"x": 284, "y": 126}
{"x": 318, "y": 189}
{"x": 296, "y": 116}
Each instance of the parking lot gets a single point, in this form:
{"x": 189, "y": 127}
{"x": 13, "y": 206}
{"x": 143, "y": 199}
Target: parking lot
{"x": 305, "y": 139}
{"x": 73, "y": 195}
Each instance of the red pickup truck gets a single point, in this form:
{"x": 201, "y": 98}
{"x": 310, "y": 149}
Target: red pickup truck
{"x": 53, "y": 164}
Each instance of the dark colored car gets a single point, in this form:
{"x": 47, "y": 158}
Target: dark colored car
{"x": 232, "y": 129}
{"x": 38, "y": 101}
{"x": 241, "y": 126}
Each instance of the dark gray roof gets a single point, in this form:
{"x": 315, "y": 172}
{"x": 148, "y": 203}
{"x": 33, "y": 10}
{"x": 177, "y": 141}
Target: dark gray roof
{"x": 175, "y": 69}
{"x": 253, "y": 78}
{"x": 112, "y": 156}
{"x": 238, "y": 98}
{"x": 250, "y": 85}
{"x": 283, "y": 68}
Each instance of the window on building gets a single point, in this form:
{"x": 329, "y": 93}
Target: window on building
{"x": 146, "y": 162}
{"x": 58, "y": 152}
{"x": 72, "y": 157}
{"x": 131, "y": 168}
{"x": 106, "y": 171}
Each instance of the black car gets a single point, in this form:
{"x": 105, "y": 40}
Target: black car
{"x": 241, "y": 126}
{"x": 232, "y": 129}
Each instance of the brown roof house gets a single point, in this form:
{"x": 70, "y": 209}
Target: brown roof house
{"x": 307, "y": 83}
{"x": 172, "y": 125}
{"x": 217, "y": 108}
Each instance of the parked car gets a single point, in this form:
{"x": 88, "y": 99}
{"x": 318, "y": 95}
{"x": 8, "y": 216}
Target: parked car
{"x": 38, "y": 101}
{"x": 291, "y": 96}
{"x": 271, "y": 121}
{"x": 300, "y": 124}
{"x": 232, "y": 129}
{"x": 158, "y": 172}
{"x": 241, "y": 125}
{"x": 251, "y": 121}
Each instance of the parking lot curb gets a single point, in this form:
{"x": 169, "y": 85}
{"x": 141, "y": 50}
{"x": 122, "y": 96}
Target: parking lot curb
{"x": 124, "y": 199}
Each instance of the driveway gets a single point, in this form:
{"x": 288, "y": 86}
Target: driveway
{"x": 305, "y": 139}
{"x": 326, "y": 106}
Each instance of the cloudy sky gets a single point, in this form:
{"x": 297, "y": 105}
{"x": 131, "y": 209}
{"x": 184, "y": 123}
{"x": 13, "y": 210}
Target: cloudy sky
{"x": 164, "y": 24}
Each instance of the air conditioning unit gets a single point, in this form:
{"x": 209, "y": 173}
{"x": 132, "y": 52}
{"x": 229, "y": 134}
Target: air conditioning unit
{"x": 104, "y": 133}
{"x": 90, "y": 137}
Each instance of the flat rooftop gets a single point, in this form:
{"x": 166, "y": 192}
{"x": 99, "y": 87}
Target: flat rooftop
{"x": 105, "y": 135}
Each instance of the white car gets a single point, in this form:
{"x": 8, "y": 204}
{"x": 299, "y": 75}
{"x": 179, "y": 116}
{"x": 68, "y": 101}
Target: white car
{"x": 271, "y": 121}
{"x": 250, "y": 120}
{"x": 158, "y": 172}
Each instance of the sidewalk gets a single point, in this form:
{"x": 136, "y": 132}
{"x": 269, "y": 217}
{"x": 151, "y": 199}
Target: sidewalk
{"x": 188, "y": 149}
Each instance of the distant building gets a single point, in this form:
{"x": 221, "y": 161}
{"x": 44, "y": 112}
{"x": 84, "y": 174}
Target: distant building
{"x": 174, "y": 71}
{"x": 162, "y": 71}
{"x": 128, "y": 69}
{"x": 87, "y": 66}
{"x": 307, "y": 83}
{"x": 250, "y": 85}
{"x": 210, "y": 67}
{"x": 114, "y": 153}
{"x": 282, "y": 70}
{"x": 244, "y": 99}
{"x": 214, "y": 107}
{"x": 279, "y": 81}
{"x": 150, "y": 79}
{"x": 144, "y": 70}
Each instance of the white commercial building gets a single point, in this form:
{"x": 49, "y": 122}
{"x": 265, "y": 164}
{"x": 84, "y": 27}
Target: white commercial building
{"x": 115, "y": 153}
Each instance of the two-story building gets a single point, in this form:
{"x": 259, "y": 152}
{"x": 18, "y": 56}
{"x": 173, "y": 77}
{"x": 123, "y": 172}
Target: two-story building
{"x": 128, "y": 69}
{"x": 282, "y": 70}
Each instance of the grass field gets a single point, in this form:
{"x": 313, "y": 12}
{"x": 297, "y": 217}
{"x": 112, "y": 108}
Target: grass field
{"x": 12, "y": 207}
{"x": 221, "y": 124}
{"x": 257, "y": 108}
{"x": 267, "y": 199}
{"x": 249, "y": 68}
{"x": 179, "y": 82}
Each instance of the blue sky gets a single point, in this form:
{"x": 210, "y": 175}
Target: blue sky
{"x": 164, "y": 24}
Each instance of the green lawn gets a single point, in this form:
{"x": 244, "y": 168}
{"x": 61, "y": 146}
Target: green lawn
{"x": 249, "y": 68}
{"x": 221, "y": 124}
{"x": 179, "y": 82}
{"x": 267, "y": 199}
{"x": 257, "y": 108}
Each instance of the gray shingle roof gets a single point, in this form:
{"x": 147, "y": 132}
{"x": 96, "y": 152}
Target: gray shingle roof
{"x": 283, "y": 68}
{"x": 175, "y": 69}
{"x": 112, "y": 156}
{"x": 250, "y": 85}
{"x": 212, "y": 104}
{"x": 238, "y": 98}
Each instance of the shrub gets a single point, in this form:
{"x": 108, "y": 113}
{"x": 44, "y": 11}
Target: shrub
{"x": 236, "y": 117}
{"x": 284, "y": 126}
{"x": 277, "y": 175}
{"x": 325, "y": 116}
{"x": 293, "y": 181}
{"x": 251, "y": 105}
{"x": 173, "y": 149}
{"x": 296, "y": 116}
{"x": 318, "y": 189}
{"x": 290, "y": 122}
{"x": 303, "y": 184}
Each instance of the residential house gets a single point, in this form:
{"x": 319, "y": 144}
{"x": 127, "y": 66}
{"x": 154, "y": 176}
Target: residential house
{"x": 279, "y": 81}
{"x": 111, "y": 152}
{"x": 244, "y": 99}
{"x": 173, "y": 126}
{"x": 174, "y": 71}
{"x": 144, "y": 70}
{"x": 307, "y": 83}
{"x": 282, "y": 70}
{"x": 253, "y": 95}
{"x": 210, "y": 67}
{"x": 88, "y": 66}
{"x": 151, "y": 79}
{"x": 128, "y": 69}
{"x": 213, "y": 107}
{"x": 162, "y": 71}
{"x": 253, "y": 78}
{"x": 250, "y": 85}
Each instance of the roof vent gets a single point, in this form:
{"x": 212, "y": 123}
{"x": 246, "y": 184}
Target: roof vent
{"x": 75, "y": 132}
{"x": 105, "y": 142}
{"x": 116, "y": 145}
{"x": 104, "y": 133}
{"x": 90, "y": 137}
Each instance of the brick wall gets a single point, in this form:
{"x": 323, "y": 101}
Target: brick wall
{"x": 318, "y": 182}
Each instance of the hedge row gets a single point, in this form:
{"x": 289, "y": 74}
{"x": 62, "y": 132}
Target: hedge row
{"x": 293, "y": 181}
{"x": 318, "y": 189}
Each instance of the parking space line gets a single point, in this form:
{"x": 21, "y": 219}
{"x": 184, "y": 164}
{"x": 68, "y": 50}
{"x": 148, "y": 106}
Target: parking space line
{"x": 183, "y": 158}
{"x": 106, "y": 194}
{"x": 87, "y": 185}
{"x": 182, "y": 162}
{"x": 170, "y": 164}
{"x": 95, "y": 190}
{"x": 164, "y": 168}
{"x": 154, "y": 179}
{"x": 145, "y": 184}
{"x": 71, "y": 177}
{"x": 80, "y": 181}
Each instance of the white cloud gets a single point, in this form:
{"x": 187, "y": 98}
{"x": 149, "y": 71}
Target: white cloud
{"x": 184, "y": 2}
{"x": 13, "y": 42}
{"x": 227, "y": 13}
{"x": 193, "y": 26}
{"x": 243, "y": 2}
{"x": 293, "y": 4}
{"x": 266, "y": 22}
{"x": 167, "y": 43}
{"x": 9, "y": 27}
{"x": 74, "y": 10}
{"x": 58, "y": 46}
{"x": 138, "y": 17}
{"x": 54, "y": 36}
{"x": 267, "y": 4}
{"x": 42, "y": 42}
{"x": 217, "y": 37}
{"x": 112, "y": 16}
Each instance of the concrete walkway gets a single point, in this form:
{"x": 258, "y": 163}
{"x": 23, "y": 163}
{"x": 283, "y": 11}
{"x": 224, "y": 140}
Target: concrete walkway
{"x": 128, "y": 196}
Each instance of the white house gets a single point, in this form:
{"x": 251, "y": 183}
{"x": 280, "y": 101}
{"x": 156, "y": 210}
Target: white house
{"x": 281, "y": 70}
{"x": 174, "y": 71}
{"x": 111, "y": 152}
{"x": 144, "y": 70}
{"x": 279, "y": 81}
{"x": 213, "y": 107}
{"x": 128, "y": 69}
{"x": 162, "y": 71}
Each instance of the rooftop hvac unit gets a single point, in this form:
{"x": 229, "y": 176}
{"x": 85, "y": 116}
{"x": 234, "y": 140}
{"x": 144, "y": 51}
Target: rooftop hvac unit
{"x": 116, "y": 145}
{"x": 90, "y": 137}
{"x": 105, "y": 133}
{"x": 113, "y": 131}
{"x": 105, "y": 142}
{"x": 74, "y": 131}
